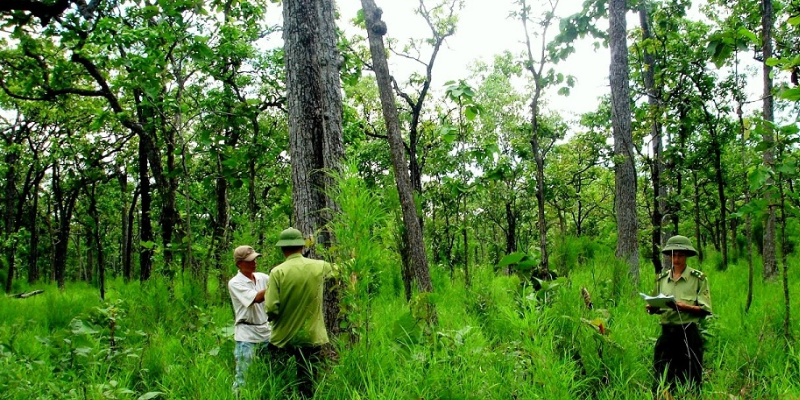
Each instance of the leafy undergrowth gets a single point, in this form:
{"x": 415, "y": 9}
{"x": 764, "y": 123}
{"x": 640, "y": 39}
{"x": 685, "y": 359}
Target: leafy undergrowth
{"x": 498, "y": 339}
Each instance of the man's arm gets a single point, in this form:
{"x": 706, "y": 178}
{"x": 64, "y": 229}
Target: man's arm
{"x": 271, "y": 299}
{"x": 259, "y": 297}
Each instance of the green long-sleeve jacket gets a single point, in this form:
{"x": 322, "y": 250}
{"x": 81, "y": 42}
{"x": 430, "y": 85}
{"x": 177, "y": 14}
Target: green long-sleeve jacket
{"x": 691, "y": 288}
{"x": 294, "y": 302}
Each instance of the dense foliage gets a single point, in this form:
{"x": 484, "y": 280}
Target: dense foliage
{"x": 142, "y": 140}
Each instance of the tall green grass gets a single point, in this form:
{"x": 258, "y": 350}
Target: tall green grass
{"x": 498, "y": 339}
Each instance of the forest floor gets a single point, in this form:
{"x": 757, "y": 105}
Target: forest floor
{"x": 496, "y": 339}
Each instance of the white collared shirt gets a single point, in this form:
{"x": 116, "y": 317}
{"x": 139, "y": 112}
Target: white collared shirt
{"x": 250, "y": 318}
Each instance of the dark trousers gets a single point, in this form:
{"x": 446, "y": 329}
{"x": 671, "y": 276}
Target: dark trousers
{"x": 679, "y": 356}
{"x": 306, "y": 359}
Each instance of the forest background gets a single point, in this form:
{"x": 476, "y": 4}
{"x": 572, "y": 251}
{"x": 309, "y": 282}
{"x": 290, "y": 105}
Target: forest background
{"x": 498, "y": 245}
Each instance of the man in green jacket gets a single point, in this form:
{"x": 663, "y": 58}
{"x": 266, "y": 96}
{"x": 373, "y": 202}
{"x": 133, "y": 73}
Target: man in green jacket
{"x": 294, "y": 307}
{"x": 678, "y": 353}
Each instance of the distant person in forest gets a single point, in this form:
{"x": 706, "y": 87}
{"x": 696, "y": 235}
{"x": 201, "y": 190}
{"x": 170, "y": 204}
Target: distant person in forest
{"x": 294, "y": 306}
{"x": 678, "y": 354}
{"x": 251, "y": 329}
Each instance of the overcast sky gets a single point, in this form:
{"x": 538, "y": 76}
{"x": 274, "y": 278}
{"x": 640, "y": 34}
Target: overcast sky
{"x": 485, "y": 30}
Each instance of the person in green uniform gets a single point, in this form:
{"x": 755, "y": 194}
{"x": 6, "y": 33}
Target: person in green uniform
{"x": 678, "y": 354}
{"x": 294, "y": 307}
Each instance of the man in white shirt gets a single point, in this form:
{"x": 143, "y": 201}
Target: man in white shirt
{"x": 251, "y": 330}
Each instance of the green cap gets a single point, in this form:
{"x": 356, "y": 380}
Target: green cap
{"x": 290, "y": 237}
{"x": 679, "y": 243}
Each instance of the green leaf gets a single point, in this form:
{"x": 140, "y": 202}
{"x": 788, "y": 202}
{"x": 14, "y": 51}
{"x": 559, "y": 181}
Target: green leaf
{"x": 150, "y": 395}
{"x": 772, "y": 62}
{"x": 749, "y": 35}
{"x": 512, "y": 258}
{"x": 794, "y": 21}
{"x": 471, "y": 112}
{"x": 792, "y": 94}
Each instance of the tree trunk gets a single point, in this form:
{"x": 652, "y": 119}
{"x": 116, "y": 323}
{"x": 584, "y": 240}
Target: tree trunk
{"x": 127, "y": 257}
{"x": 9, "y": 241}
{"x": 122, "y": 179}
{"x": 544, "y": 264}
{"x": 784, "y": 263}
{"x": 466, "y": 244}
{"x": 33, "y": 268}
{"x": 624, "y": 168}
{"x": 95, "y": 236}
{"x": 64, "y": 202}
{"x": 145, "y": 224}
{"x": 376, "y": 28}
{"x": 657, "y": 166}
{"x": 698, "y": 237}
{"x": 723, "y": 211}
{"x": 314, "y": 102}
{"x": 511, "y": 232}
{"x": 769, "y": 252}
{"x": 314, "y": 119}
{"x": 220, "y": 232}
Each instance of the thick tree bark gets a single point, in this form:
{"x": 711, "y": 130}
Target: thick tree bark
{"x": 314, "y": 110}
{"x": 769, "y": 253}
{"x": 624, "y": 168}
{"x": 376, "y": 28}
{"x": 314, "y": 102}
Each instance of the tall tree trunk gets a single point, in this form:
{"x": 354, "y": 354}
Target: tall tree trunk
{"x": 784, "y": 262}
{"x": 314, "y": 119}
{"x": 466, "y": 243}
{"x": 657, "y": 166}
{"x": 9, "y": 243}
{"x": 511, "y": 232}
{"x": 723, "y": 211}
{"x": 536, "y": 70}
{"x": 376, "y": 28}
{"x": 64, "y": 204}
{"x": 624, "y": 168}
{"x": 145, "y": 224}
{"x": 748, "y": 224}
{"x": 122, "y": 179}
{"x": 698, "y": 237}
{"x": 769, "y": 255}
{"x": 314, "y": 103}
{"x": 220, "y": 232}
{"x": 33, "y": 268}
{"x": 127, "y": 256}
{"x": 95, "y": 236}
{"x": 169, "y": 209}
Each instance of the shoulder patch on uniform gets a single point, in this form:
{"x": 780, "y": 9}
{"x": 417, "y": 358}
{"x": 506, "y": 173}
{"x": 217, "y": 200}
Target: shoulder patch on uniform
{"x": 698, "y": 274}
{"x": 662, "y": 275}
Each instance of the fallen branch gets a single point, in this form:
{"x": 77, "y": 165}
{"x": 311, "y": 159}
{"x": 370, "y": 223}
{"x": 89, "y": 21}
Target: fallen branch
{"x": 24, "y": 295}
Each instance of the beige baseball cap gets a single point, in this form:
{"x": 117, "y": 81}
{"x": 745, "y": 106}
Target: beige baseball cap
{"x": 245, "y": 253}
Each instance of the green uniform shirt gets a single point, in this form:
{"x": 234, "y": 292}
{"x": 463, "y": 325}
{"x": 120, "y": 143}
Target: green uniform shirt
{"x": 691, "y": 288}
{"x": 294, "y": 302}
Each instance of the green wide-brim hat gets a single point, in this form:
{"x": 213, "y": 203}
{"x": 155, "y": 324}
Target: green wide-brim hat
{"x": 290, "y": 237}
{"x": 679, "y": 243}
